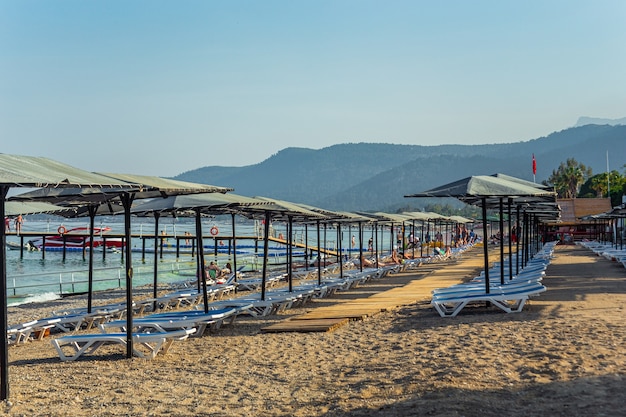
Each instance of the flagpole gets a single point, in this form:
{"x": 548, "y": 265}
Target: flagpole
{"x": 608, "y": 174}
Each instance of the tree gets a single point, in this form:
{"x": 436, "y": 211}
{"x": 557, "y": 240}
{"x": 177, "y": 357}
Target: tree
{"x": 568, "y": 178}
{"x": 596, "y": 186}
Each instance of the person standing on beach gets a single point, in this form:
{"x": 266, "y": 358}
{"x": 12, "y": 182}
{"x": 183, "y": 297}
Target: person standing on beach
{"x": 353, "y": 241}
{"x": 18, "y": 224}
{"x": 7, "y": 224}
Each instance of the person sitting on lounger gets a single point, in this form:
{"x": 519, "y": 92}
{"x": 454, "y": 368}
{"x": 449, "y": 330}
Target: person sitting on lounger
{"x": 394, "y": 256}
{"x": 227, "y": 269}
{"x": 213, "y": 270}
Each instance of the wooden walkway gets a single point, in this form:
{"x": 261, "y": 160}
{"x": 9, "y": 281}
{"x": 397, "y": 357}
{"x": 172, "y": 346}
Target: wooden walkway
{"x": 380, "y": 295}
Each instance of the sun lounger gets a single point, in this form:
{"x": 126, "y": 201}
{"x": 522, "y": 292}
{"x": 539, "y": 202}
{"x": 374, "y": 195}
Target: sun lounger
{"x": 68, "y": 323}
{"x": 145, "y": 345}
{"x": 510, "y": 299}
{"x": 20, "y": 333}
{"x": 164, "y": 322}
{"x": 274, "y": 303}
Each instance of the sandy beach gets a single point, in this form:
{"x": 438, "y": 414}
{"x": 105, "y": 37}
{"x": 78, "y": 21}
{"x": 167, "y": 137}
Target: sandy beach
{"x": 565, "y": 354}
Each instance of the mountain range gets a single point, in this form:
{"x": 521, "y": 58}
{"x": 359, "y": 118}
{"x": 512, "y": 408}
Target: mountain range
{"x": 376, "y": 176}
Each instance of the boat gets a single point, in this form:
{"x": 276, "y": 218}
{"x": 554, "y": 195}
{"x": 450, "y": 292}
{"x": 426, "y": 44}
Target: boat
{"x": 17, "y": 246}
{"x": 77, "y": 239}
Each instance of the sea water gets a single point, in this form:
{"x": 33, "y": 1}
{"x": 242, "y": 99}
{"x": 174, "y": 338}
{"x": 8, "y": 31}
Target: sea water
{"x": 34, "y": 276}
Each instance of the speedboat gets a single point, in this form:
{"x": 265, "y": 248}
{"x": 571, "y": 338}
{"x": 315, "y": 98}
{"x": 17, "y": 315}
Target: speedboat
{"x": 76, "y": 239}
{"x": 17, "y": 246}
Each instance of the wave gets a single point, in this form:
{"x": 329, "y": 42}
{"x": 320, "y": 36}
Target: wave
{"x": 33, "y": 298}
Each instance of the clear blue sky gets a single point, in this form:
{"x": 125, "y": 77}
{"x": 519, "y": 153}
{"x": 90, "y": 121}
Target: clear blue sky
{"x": 162, "y": 87}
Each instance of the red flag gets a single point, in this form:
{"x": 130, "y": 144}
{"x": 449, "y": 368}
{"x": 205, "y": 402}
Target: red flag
{"x": 534, "y": 165}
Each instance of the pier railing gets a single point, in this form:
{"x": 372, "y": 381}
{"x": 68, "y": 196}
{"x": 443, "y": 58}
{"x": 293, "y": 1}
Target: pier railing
{"x": 69, "y": 282}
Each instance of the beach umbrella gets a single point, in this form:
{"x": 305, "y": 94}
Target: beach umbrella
{"x": 278, "y": 210}
{"x": 142, "y": 187}
{"x": 338, "y": 218}
{"x": 198, "y": 204}
{"x": 489, "y": 191}
{"x": 18, "y": 171}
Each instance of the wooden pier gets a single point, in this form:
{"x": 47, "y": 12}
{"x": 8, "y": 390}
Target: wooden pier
{"x": 314, "y": 249}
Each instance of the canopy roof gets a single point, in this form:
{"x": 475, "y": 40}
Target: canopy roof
{"x": 144, "y": 187}
{"x": 160, "y": 187}
{"x": 214, "y": 203}
{"x": 284, "y": 210}
{"x": 337, "y": 216}
{"x": 31, "y": 171}
{"x": 521, "y": 181}
{"x": 13, "y": 208}
{"x": 460, "y": 219}
{"x": 489, "y": 189}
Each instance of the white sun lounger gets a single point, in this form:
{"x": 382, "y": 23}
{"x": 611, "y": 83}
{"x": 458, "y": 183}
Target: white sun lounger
{"x": 508, "y": 299}
{"x": 164, "y": 322}
{"x": 145, "y": 345}
{"x": 20, "y": 333}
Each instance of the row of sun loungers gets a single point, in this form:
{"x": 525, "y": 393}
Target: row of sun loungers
{"x": 607, "y": 250}
{"x": 510, "y": 296}
{"x": 455, "y": 253}
{"x": 151, "y": 334}
{"x": 161, "y": 322}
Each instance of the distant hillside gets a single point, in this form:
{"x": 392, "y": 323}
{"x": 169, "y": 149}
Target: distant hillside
{"x": 582, "y": 121}
{"x": 366, "y": 176}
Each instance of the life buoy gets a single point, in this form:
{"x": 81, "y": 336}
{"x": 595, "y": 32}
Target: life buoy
{"x": 214, "y": 231}
{"x": 61, "y": 230}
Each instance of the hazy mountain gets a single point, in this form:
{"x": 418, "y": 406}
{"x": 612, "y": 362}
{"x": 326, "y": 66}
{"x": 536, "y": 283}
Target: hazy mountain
{"x": 367, "y": 176}
{"x": 582, "y": 121}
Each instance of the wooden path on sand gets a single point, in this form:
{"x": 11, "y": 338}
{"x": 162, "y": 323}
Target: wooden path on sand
{"x": 391, "y": 292}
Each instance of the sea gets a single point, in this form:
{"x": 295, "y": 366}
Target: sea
{"x": 34, "y": 276}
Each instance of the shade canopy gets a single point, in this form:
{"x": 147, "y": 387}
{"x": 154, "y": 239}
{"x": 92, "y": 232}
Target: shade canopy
{"x": 213, "y": 203}
{"x": 283, "y": 210}
{"x": 343, "y": 217}
{"x": 161, "y": 187}
{"x": 35, "y": 172}
{"x": 489, "y": 189}
{"x": 92, "y": 199}
{"x": 140, "y": 185}
{"x": 521, "y": 181}
{"x": 460, "y": 219}
{"x": 14, "y": 208}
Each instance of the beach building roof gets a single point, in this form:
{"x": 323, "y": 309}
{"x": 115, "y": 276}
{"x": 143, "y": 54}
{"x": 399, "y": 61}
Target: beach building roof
{"x": 574, "y": 209}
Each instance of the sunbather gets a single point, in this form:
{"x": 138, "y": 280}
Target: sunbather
{"x": 213, "y": 270}
{"x": 367, "y": 263}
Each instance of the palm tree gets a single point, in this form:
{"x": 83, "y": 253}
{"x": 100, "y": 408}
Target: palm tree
{"x": 568, "y": 178}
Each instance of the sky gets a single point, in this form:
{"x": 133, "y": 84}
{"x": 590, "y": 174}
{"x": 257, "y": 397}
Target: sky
{"x": 157, "y": 87}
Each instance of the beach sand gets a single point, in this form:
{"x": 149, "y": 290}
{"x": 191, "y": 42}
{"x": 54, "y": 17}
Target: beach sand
{"x": 565, "y": 354}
